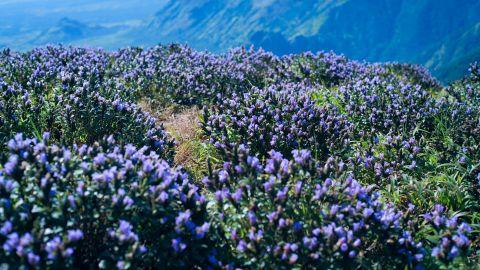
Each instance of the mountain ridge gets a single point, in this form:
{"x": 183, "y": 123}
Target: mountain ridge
{"x": 437, "y": 34}
{"x": 442, "y": 35}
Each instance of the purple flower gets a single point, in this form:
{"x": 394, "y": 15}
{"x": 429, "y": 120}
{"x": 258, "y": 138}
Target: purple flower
{"x": 453, "y": 253}
{"x": 223, "y": 176}
{"x": 163, "y": 197}
{"x": 53, "y": 246}
{"x": 242, "y": 246}
{"x": 269, "y": 184}
{"x": 293, "y": 258}
{"x": 298, "y": 187}
{"x": 121, "y": 265}
{"x": 237, "y": 195}
{"x": 251, "y": 217}
{"x": 282, "y": 194}
{"x": 202, "y": 230}
{"x": 33, "y": 259}
{"x": 74, "y": 235}
{"x": 99, "y": 159}
{"x": 178, "y": 245}
{"x": 367, "y": 212}
{"x": 9, "y": 167}
{"x": 6, "y": 228}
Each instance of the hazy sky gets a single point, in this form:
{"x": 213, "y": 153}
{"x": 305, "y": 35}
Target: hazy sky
{"x": 42, "y": 13}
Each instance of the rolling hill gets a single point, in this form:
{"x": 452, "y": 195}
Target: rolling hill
{"x": 442, "y": 35}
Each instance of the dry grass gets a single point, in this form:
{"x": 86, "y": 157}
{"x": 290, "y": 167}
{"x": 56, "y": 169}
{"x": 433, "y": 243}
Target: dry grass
{"x": 182, "y": 124}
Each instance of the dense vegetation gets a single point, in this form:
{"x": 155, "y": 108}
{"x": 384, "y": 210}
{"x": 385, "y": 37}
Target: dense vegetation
{"x": 303, "y": 161}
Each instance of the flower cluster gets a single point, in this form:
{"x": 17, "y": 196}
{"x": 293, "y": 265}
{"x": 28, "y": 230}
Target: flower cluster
{"x": 463, "y": 118}
{"x": 325, "y": 68}
{"x": 182, "y": 75}
{"x": 415, "y": 74}
{"x": 71, "y": 93}
{"x": 450, "y": 235}
{"x": 286, "y": 213}
{"x": 103, "y": 205}
{"x": 382, "y": 157}
{"x": 281, "y": 117}
{"x": 386, "y": 105}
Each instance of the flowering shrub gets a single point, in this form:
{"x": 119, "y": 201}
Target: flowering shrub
{"x": 290, "y": 213}
{"x": 415, "y": 74}
{"x": 383, "y": 157}
{"x": 456, "y": 135}
{"x": 88, "y": 114}
{"x": 281, "y": 117}
{"x": 119, "y": 204}
{"x": 384, "y": 105}
{"x": 104, "y": 205}
{"x": 450, "y": 237}
{"x": 182, "y": 75}
{"x": 325, "y": 68}
{"x": 66, "y": 95}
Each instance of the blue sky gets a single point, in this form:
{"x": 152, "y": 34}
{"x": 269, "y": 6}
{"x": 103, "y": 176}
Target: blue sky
{"x": 40, "y": 13}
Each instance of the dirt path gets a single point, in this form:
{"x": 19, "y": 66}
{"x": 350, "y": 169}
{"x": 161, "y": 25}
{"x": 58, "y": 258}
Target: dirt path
{"x": 182, "y": 124}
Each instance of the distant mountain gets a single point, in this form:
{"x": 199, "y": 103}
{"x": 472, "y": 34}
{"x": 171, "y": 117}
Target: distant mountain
{"x": 443, "y": 35}
{"x": 450, "y": 60}
{"x": 66, "y": 30}
{"x": 25, "y": 24}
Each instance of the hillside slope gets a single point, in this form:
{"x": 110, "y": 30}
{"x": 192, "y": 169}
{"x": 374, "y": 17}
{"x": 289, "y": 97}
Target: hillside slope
{"x": 439, "y": 34}
{"x": 443, "y": 35}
